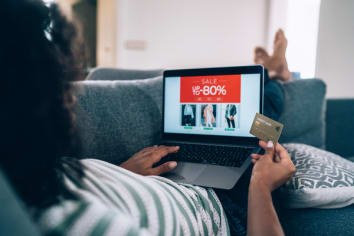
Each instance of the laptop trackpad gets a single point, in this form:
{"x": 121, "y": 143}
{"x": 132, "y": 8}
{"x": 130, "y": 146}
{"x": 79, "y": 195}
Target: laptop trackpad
{"x": 223, "y": 177}
{"x": 187, "y": 172}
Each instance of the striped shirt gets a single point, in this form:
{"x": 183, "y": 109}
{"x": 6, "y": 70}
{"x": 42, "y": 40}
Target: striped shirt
{"x": 115, "y": 201}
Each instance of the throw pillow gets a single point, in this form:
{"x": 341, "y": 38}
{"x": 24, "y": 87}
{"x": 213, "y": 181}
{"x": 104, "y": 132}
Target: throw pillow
{"x": 304, "y": 112}
{"x": 322, "y": 179}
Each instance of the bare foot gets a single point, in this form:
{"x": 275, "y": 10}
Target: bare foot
{"x": 280, "y": 45}
{"x": 276, "y": 64}
{"x": 260, "y": 55}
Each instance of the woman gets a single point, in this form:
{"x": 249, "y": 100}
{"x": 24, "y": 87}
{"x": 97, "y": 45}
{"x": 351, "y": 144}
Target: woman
{"x": 188, "y": 115}
{"x": 90, "y": 197}
{"x": 208, "y": 115}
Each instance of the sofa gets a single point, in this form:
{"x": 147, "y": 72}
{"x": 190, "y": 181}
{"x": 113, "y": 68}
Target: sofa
{"x": 107, "y": 134}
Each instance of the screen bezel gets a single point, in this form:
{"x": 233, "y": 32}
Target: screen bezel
{"x": 256, "y": 69}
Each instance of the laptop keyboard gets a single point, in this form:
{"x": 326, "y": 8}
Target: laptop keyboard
{"x": 208, "y": 154}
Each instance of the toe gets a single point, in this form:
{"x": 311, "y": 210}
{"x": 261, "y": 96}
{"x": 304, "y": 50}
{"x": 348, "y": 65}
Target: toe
{"x": 260, "y": 51}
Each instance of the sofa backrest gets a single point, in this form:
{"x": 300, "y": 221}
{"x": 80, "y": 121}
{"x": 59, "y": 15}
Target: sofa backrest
{"x": 104, "y": 73}
{"x": 304, "y": 112}
{"x": 115, "y": 119}
{"x": 340, "y": 126}
{"x": 118, "y": 118}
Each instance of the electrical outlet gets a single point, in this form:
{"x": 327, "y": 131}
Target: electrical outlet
{"x": 136, "y": 45}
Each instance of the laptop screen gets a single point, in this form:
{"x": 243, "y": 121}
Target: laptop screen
{"x": 222, "y": 105}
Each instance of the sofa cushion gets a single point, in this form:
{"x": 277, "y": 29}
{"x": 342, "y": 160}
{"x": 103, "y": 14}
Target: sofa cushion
{"x": 322, "y": 179}
{"x": 304, "y": 112}
{"x": 315, "y": 222}
{"x": 115, "y": 119}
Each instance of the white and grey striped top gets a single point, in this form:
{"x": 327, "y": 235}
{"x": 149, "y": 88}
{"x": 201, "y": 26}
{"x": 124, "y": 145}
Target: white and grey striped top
{"x": 115, "y": 201}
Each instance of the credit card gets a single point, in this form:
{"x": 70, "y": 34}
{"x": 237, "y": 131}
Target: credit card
{"x": 266, "y": 129}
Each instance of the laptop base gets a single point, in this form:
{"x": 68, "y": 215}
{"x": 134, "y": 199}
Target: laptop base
{"x": 206, "y": 175}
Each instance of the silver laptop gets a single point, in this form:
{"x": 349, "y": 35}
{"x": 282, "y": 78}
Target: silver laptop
{"x": 208, "y": 113}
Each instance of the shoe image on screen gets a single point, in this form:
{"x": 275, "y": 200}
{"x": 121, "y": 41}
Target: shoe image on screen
{"x": 231, "y": 116}
{"x": 208, "y": 115}
{"x": 188, "y": 115}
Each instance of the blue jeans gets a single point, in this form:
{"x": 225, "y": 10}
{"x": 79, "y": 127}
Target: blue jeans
{"x": 235, "y": 201}
{"x": 273, "y": 97}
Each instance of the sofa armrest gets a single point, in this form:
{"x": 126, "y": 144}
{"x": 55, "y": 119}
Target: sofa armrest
{"x": 340, "y": 126}
{"x": 14, "y": 219}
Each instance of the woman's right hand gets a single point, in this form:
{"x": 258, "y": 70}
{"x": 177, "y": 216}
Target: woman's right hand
{"x": 272, "y": 169}
{"x": 143, "y": 162}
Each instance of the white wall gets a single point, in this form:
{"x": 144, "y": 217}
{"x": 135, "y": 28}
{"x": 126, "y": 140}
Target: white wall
{"x": 335, "y": 52}
{"x": 299, "y": 19}
{"x": 277, "y": 16}
{"x": 106, "y": 33}
{"x": 189, "y": 33}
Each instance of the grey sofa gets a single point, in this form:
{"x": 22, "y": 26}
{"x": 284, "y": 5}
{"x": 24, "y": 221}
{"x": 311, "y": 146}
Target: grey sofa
{"x": 14, "y": 220}
{"x": 339, "y": 139}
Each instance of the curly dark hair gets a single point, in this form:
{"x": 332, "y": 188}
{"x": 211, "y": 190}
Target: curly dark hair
{"x": 40, "y": 56}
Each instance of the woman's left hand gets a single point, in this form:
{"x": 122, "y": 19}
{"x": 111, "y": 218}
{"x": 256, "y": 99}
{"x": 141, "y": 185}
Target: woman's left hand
{"x": 273, "y": 168}
{"x": 143, "y": 161}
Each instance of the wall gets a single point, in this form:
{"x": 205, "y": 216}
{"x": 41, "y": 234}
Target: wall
{"x": 185, "y": 33}
{"x": 297, "y": 18}
{"x": 277, "y": 20}
{"x": 106, "y": 32}
{"x": 335, "y": 52}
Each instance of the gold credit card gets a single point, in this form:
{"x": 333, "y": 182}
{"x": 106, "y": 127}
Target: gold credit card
{"x": 266, "y": 129}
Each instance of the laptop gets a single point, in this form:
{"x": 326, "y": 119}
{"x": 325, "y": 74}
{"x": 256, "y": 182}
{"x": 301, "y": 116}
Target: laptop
{"x": 208, "y": 113}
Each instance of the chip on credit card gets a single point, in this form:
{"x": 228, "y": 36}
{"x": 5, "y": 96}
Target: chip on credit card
{"x": 266, "y": 129}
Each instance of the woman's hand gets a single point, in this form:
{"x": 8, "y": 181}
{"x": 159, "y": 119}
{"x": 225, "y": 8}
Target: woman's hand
{"x": 143, "y": 161}
{"x": 272, "y": 169}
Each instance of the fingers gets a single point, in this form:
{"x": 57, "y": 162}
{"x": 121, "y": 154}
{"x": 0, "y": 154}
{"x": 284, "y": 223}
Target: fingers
{"x": 281, "y": 152}
{"x": 255, "y": 157}
{"x": 284, "y": 158}
{"x": 269, "y": 149}
{"x": 263, "y": 144}
{"x": 276, "y": 157}
{"x": 163, "y": 151}
{"x": 152, "y": 149}
{"x": 166, "y": 167}
{"x": 149, "y": 149}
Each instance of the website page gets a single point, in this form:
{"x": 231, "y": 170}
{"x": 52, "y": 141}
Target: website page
{"x": 212, "y": 105}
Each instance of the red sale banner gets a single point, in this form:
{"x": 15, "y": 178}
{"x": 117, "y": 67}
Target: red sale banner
{"x": 211, "y": 89}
